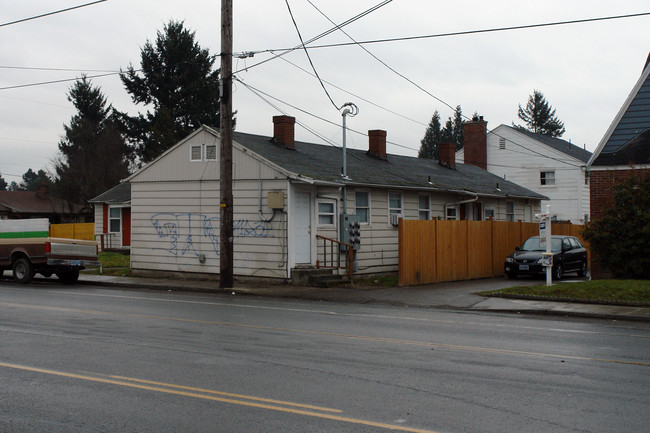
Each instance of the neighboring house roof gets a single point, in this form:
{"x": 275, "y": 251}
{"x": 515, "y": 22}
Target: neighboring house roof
{"x": 323, "y": 163}
{"x": 556, "y": 143}
{"x": 32, "y": 202}
{"x": 627, "y": 140}
{"x": 121, "y": 193}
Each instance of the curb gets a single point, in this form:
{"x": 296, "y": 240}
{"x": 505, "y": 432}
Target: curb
{"x": 318, "y": 297}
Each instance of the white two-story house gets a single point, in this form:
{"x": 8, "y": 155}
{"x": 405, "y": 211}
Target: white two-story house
{"x": 549, "y": 166}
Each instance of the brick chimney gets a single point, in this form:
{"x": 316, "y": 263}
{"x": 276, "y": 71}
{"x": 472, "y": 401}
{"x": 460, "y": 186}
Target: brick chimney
{"x": 448, "y": 155}
{"x": 377, "y": 144}
{"x": 283, "y": 131}
{"x": 475, "y": 142}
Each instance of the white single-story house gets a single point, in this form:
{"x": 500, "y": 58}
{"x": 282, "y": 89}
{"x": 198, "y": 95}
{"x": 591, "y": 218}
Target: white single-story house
{"x": 288, "y": 192}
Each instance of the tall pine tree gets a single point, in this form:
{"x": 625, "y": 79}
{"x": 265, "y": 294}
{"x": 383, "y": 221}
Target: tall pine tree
{"x": 436, "y": 134}
{"x": 429, "y": 145}
{"x": 178, "y": 80}
{"x": 539, "y": 116}
{"x": 93, "y": 155}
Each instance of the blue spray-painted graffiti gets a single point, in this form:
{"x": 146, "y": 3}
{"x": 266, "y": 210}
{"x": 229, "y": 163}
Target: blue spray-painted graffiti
{"x": 183, "y": 229}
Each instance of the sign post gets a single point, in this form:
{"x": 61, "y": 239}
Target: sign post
{"x": 545, "y": 241}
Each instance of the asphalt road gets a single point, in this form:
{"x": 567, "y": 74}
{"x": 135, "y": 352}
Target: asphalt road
{"x": 85, "y": 359}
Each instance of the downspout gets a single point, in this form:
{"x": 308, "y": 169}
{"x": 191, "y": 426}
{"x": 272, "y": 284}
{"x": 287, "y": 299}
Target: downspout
{"x": 471, "y": 200}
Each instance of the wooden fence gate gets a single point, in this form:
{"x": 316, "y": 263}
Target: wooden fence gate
{"x": 435, "y": 251}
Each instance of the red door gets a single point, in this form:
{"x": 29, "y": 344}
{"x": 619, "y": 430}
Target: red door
{"x": 126, "y": 227}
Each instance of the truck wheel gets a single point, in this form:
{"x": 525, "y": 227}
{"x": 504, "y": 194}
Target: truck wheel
{"x": 23, "y": 270}
{"x": 68, "y": 277}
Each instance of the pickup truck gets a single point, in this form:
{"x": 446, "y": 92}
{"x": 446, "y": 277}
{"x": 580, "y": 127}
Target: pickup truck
{"x": 26, "y": 248}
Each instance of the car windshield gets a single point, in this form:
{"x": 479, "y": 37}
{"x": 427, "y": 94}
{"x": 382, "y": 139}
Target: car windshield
{"x": 532, "y": 244}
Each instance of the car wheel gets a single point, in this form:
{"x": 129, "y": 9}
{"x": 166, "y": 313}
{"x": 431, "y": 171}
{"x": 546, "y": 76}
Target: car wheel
{"x": 583, "y": 269}
{"x": 558, "y": 271}
{"x": 68, "y": 277}
{"x": 23, "y": 270}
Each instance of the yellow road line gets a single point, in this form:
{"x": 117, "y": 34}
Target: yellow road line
{"x": 226, "y": 394}
{"x": 335, "y": 334}
{"x": 131, "y": 383}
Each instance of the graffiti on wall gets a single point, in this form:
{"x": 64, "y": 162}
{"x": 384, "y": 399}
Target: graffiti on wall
{"x": 184, "y": 230}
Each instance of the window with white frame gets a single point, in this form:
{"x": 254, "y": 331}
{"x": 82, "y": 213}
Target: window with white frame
{"x": 451, "y": 212}
{"x": 362, "y": 206}
{"x": 395, "y": 203}
{"x": 211, "y": 152}
{"x": 114, "y": 219}
{"x": 196, "y": 153}
{"x": 424, "y": 207}
{"x": 510, "y": 211}
{"x": 326, "y": 213}
{"x": 547, "y": 178}
{"x": 489, "y": 214}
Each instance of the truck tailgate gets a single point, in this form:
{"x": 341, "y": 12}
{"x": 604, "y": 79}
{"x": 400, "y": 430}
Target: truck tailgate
{"x": 73, "y": 248}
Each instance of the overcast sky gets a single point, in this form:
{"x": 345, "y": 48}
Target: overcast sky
{"x": 585, "y": 70}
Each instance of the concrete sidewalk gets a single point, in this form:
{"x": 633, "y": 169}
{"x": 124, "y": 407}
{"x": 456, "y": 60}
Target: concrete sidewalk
{"x": 456, "y": 295}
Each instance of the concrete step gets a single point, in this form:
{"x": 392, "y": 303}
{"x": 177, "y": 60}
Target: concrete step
{"x": 315, "y": 277}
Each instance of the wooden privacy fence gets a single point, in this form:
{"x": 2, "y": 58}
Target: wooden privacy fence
{"x": 85, "y": 231}
{"x": 435, "y": 251}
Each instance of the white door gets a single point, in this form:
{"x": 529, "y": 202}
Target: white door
{"x": 302, "y": 213}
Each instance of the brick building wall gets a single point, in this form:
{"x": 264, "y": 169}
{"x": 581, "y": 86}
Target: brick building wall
{"x": 601, "y": 196}
{"x": 601, "y": 183}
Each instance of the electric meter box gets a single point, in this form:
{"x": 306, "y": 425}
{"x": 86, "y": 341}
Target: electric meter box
{"x": 275, "y": 199}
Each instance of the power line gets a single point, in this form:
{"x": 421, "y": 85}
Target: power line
{"x": 470, "y": 32}
{"x": 308, "y": 56}
{"x": 259, "y": 92}
{"x": 382, "y": 62}
{"x": 322, "y": 137}
{"x": 297, "y": 47}
{"x": 356, "y": 96}
{"x": 29, "y": 68}
{"x": 42, "y": 83}
{"x": 52, "y": 13}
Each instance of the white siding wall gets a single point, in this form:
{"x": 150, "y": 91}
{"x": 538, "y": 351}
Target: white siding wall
{"x": 379, "y": 239}
{"x": 175, "y": 222}
{"x": 522, "y": 163}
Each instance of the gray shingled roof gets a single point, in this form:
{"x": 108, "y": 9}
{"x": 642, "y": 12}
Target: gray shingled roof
{"x": 557, "y": 144}
{"x": 120, "y": 193}
{"x": 323, "y": 163}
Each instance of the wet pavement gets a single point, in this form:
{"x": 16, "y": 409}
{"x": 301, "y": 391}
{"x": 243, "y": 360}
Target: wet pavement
{"x": 455, "y": 295}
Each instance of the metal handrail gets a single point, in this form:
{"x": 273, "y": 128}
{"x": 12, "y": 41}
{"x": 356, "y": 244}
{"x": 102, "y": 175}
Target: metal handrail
{"x": 350, "y": 256}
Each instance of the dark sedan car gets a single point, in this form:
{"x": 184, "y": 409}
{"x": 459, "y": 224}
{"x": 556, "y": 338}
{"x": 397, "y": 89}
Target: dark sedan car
{"x": 568, "y": 256}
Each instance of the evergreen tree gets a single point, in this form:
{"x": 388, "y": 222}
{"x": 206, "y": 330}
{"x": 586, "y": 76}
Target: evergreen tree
{"x": 457, "y": 132}
{"x": 436, "y": 134}
{"x": 539, "y": 116}
{"x": 93, "y": 154}
{"x": 32, "y": 181}
{"x": 3, "y": 183}
{"x": 429, "y": 145}
{"x": 177, "y": 79}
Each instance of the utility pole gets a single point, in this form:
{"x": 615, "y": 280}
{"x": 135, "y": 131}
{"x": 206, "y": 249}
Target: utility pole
{"x": 225, "y": 163}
